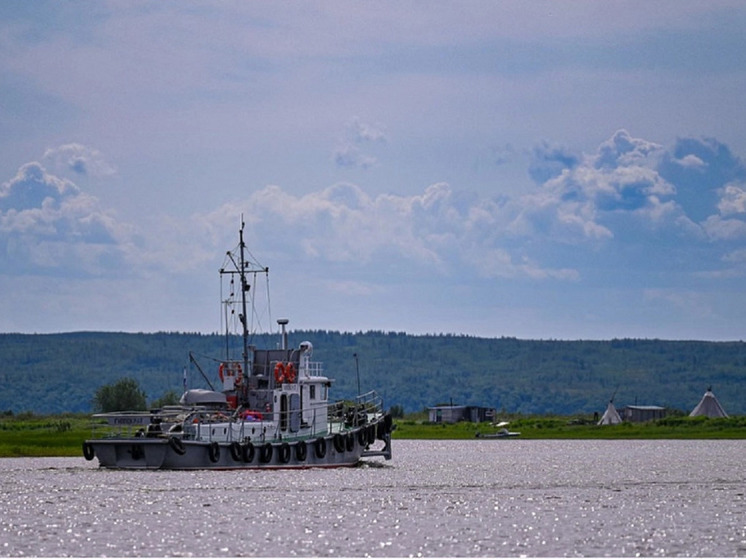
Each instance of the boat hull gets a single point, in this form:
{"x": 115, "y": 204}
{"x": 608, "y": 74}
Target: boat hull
{"x": 510, "y": 435}
{"x": 170, "y": 453}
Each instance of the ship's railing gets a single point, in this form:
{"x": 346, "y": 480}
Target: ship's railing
{"x": 370, "y": 401}
{"x": 314, "y": 368}
{"x": 347, "y": 414}
{"x": 311, "y": 368}
{"x": 205, "y": 424}
{"x": 135, "y": 423}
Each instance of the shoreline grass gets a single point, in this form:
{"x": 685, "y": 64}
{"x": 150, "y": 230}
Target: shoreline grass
{"x": 26, "y": 434}
{"x": 29, "y": 435}
{"x": 561, "y": 427}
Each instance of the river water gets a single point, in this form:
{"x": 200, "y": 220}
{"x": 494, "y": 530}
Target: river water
{"x": 435, "y": 498}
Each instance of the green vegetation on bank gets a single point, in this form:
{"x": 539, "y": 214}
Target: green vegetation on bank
{"x": 560, "y": 427}
{"x": 27, "y": 434}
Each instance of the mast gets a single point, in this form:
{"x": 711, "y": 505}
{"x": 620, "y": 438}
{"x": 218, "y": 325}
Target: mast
{"x": 240, "y": 262}
{"x": 244, "y": 289}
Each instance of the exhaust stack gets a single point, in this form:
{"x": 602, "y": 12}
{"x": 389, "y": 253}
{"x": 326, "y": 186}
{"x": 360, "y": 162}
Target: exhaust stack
{"x": 283, "y": 322}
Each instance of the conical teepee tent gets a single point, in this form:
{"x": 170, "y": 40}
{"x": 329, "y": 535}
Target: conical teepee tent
{"x": 709, "y": 406}
{"x": 610, "y": 416}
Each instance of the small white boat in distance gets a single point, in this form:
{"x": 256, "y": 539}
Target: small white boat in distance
{"x": 503, "y": 433}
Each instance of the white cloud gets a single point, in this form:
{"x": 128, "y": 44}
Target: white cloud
{"x": 358, "y": 133}
{"x": 588, "y": 205}
{"x": 730, "y": 223}
{"x": 438, "y": 229}
{"x": 350, "y": 156}
{"x": 719, "y": 229}
{"x": 604, "y": 195}
{"x": 624, "y": 150}
{"x": 48, "y": 224}
{"x": 691, "y": 161}
{"x": 32, "y": 187}
{"x": 80, "y": 159}
{"x": 733, "y": 200}
{"x": 365, "y": 132}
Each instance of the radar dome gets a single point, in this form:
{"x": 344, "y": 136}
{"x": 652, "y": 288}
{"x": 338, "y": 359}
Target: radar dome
{"x": 307, "y": 347}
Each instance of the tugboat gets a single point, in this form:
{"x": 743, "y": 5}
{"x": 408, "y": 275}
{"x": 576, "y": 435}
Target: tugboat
{"x": 272, "y": 410}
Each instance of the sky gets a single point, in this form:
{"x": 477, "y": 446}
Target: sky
{"x": 540, "y": 170}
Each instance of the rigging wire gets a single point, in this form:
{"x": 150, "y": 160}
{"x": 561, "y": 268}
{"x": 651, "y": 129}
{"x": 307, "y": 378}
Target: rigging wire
{"x": 229, "y": 319}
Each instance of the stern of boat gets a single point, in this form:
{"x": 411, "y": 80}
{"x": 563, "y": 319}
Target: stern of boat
{"x": 131, "y": 454}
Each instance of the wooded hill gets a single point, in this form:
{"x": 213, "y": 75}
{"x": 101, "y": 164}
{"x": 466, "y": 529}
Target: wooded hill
{"x": 60, "y": 372}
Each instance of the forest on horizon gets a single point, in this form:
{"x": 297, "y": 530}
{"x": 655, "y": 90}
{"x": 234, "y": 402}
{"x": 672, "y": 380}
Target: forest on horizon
{"x": 55, "y": 373}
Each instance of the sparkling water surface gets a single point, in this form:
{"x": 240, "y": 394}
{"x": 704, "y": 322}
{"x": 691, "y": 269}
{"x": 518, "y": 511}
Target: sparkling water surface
{"x": 435, "y": 498}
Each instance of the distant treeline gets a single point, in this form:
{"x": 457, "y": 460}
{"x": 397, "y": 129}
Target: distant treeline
{"x": 53, "y": 373}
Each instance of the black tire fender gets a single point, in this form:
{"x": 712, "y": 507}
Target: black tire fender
{"x": 319, "y": 447}
{"x": 285, "y": 453}
{"x": 380, "y": 429}
{"x": 266, "y": 453}
{"x": 137, "y": 452}
{"x": 350, "y": 441}
{"x": 247, "y": 451}
{"x": 339, "y": 442}
{"x": 177, "y": 445}
{"x": 300, "y": 451}
{"x": 88, "y": 451}
{"x": 362, "y": 436}
{"x": 213, "y": 451}
{"x": 236, "y": 453}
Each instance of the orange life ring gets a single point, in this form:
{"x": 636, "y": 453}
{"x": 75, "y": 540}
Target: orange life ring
{"x": 290, "y": 373}
{"x": 280, "y": 372}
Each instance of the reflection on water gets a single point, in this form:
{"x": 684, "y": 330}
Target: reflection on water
{"x": 435, "y": 498}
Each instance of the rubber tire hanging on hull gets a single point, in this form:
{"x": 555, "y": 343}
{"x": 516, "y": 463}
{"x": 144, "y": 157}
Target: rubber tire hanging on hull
{"x": 319, "y": 447}
{"x": 247, "y": 452}
{"x": 236, "y": 453}
{"x": 137, "y": 452}
{"x": 381, "y": 429}
{"x": 213, "y": 451}
{"x": 266, "y": 453}
{"x": 339, "y": 442}
{"x": 350, "y": 441}
{"x": 284, "y": 454}
{"x": 300, "y": 451}
{"x": 88, "y": 452}
{"x": 177, "y": 445}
